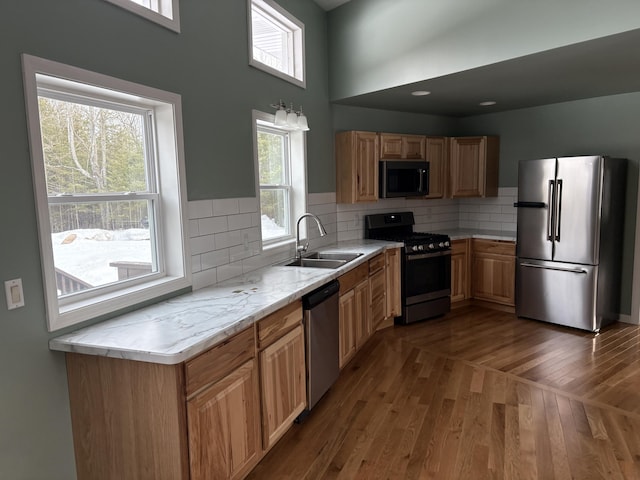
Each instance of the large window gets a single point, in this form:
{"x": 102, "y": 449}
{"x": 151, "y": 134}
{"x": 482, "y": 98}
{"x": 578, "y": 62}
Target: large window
{"x": 163, "y": 12}
{"x": 107, "y": 168}
{"x": 276, "y": 41}
{"x": 280, "y": 168}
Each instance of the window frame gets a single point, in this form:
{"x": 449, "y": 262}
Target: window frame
{"x": 166, "y": 13}
{"x": 297, "y": 155}
{"x": 297, "y": 56}
{"x": 174, "y": 272}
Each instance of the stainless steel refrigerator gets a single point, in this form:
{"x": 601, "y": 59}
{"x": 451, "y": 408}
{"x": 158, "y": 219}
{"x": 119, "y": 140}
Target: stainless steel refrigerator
{"x": 569, "y": 240}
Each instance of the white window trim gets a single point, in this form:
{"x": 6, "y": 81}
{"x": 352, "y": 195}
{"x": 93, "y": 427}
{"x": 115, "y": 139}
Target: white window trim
{"x": 168, "y": 14}
{"x": 300, "y": 76}
{"x": 171, "y": 170}
{"x": 298, "y": 173}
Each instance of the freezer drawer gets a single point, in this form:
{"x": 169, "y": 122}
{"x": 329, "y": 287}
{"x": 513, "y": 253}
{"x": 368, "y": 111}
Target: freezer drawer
{"x": 560, "y": 293}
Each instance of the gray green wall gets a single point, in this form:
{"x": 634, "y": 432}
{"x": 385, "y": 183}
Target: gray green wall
{"x": 208, "y": 65}
{"x": 378, "y": 44}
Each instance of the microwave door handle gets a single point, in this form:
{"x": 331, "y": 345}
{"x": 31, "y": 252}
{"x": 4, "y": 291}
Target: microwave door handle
{"x": 420, "y": 185}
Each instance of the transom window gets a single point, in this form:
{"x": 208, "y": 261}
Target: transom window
{"x": 163, "y": 12}
{"x": 108, "y": 176}
{"x": 276, "y": 40}
{"x": 281, "y": 178}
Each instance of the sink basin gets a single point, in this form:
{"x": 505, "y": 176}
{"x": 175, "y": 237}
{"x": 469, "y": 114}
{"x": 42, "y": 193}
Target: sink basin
{"x": 322, "y": 260}
{"x": 347, "y": 257}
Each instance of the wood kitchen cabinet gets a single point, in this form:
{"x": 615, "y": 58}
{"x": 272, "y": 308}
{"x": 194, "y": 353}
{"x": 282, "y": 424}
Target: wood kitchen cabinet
{"x": 377, "y": 288}
{"x": 474, "y": 166}
{"x": 224, "y": 426}
{"x": 393, "y": 283}
{"x": 356, "y": 167}
{"x": 493, "y": 267}
{"x": 460, "y": 263}
{"x": 437, "y": 154}
{"x": 282, "y": 371}
{"x": 354, "y": 311}
{"x": 402, "y": 147}
{"x": 196, "y": 420}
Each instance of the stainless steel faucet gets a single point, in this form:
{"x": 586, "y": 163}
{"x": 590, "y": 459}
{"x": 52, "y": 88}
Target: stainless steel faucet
{"x": 300, "y": 249}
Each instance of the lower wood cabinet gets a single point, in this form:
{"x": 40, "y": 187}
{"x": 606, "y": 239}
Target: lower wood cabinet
{"x": 224, "y": 426}
{"x": 460, "y": 270}
{"x": 283, "y": 379}
{"x": 377, "y": 287}
{"x": 355, "y": 320}
{"x": 493, "y": 268}
{"x": 393, "y": 287}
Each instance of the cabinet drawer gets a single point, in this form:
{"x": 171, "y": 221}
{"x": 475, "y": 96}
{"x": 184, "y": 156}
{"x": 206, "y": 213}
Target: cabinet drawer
{"x": 278, "y": 323}
{"x": 353, "y": 277}
{"x": 496, "y": 247}
{"x": 376, "y": 263}
{"x": 218, "y": 361}
{"x": 459, "y": 246}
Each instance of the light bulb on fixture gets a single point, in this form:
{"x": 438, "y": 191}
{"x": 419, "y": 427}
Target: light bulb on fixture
{"x": 292, "y": 118}
{"x": 302, "y": 121}
{"x": 281, "y": 115}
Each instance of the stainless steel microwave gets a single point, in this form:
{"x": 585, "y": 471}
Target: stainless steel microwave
{"x": 403, "y": 178}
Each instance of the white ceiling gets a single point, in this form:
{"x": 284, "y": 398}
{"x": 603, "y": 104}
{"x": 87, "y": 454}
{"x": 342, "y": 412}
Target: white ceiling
{"x": 330, "y": 4}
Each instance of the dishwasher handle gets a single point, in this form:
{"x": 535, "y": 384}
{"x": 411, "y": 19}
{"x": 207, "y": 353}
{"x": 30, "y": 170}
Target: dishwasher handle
{"x": 320, "y": 295}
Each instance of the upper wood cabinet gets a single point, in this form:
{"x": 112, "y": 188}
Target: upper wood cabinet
{"x": 356, "y": 167}
{"x": 402, "y": 147}
{"x": 474, "y": 166}
{"x": 437, "y": 154}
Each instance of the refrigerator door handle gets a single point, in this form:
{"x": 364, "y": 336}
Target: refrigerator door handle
{"x": 559, "y": 269}
{"x": 551, "y": 211}
{"x": 558, "y": 208}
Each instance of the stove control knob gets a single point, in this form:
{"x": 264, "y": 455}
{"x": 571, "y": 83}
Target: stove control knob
{"x": 414, "y": 248}
{"x": 447, "y": 244}
{"x": 431, "y": 246}
{"x": 441, "y": 244}
{"x": 420, "y": 247}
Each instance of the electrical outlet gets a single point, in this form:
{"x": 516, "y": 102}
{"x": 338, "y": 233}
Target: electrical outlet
{"x": 15, "y": 295}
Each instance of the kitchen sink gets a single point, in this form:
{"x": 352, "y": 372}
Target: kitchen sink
{"x": 322, "y": 260}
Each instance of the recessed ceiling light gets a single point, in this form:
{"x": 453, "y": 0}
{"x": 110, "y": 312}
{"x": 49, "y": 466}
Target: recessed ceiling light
{"x": 487, "y": 103}
{"x": 420, "y": 93}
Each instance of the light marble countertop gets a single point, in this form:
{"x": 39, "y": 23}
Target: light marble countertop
{"x": 457, "y": 234}
{"x": 177, "y": 329}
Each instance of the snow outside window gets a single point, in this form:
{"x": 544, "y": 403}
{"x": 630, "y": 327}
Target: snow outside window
{"x": 280, "y": 168}
{"x": 276, "y": 41}
{"x": 110, "y": 231}
{"x": 163, "y": 12}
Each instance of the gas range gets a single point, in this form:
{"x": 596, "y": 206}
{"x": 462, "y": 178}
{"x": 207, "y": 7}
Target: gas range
{"x": 425, "y": 265}
{"x": 398, "y": 227}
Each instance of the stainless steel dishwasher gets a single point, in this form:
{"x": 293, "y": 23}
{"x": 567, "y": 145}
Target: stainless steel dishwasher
{"x": 322, "y": 337}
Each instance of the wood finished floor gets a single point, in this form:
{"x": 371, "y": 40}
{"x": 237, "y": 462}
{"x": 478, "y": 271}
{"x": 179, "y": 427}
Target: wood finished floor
{"x": 478, "y": 394}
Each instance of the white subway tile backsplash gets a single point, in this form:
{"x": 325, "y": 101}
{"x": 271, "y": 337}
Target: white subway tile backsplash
{"x": 225, "y": 233}
{"x": 226, "y": 206}
{"x": 200, "y": 209}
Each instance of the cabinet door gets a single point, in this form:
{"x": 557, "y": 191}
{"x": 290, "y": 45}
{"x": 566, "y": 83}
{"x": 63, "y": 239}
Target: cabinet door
{"x": 390, "y": 146}
{"x": 347, "y": 326}
{"x": 413, "y": 147}
{"x": 377, "y": 287}
{"x": 493, "y": 277}
{"x": 459, "y": 270}
{"x": 357, "y": 158}
{"x": 467, "y": 166}
{"x": 437, "y": 156}
{"x": 224, "y": 426}
{"x": 367, "y": 167}
{"x": 284, "y": 392}
{"x": 393, "y": 283}
{"x": 363, "y": 307}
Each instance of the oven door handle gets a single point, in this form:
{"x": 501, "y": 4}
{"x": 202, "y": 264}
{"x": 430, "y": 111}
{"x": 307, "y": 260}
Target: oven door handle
{"x": 420, "y": 256}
